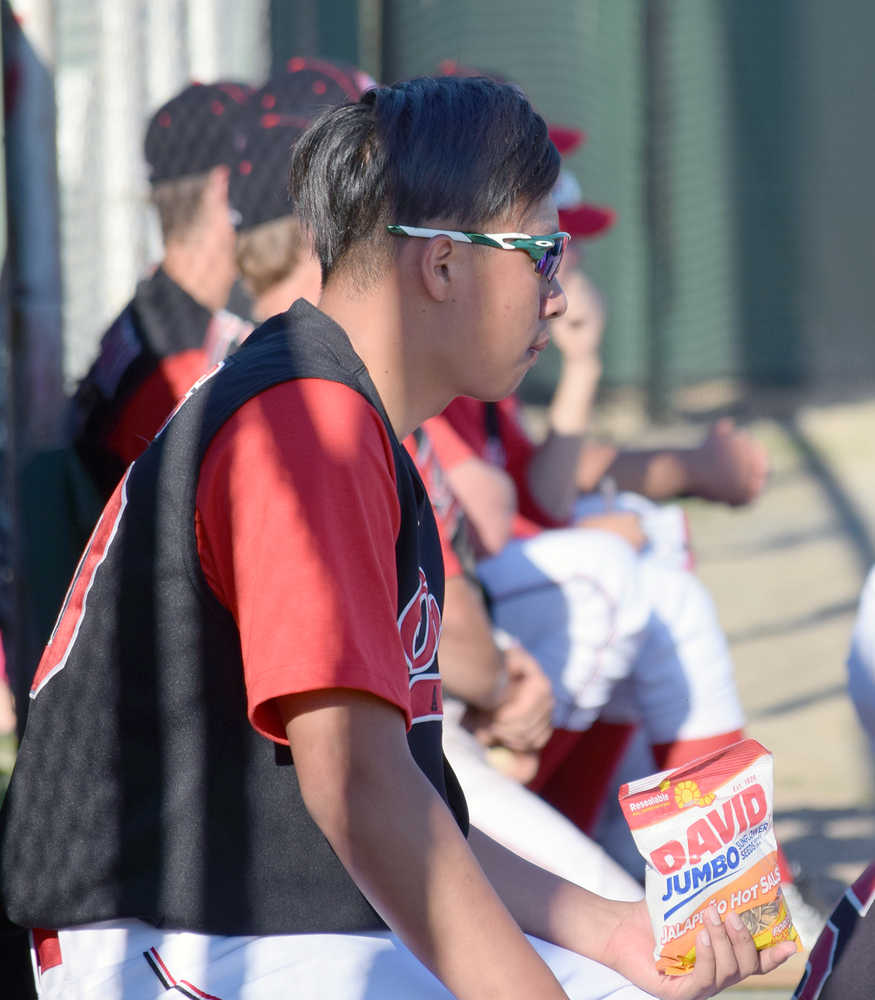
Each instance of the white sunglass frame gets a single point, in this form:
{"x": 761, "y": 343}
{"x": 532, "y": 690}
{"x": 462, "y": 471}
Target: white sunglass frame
{"x": 499, "y": 241}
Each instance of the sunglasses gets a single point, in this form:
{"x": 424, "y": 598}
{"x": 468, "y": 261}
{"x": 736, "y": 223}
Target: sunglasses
{"x": 545, "y": 251}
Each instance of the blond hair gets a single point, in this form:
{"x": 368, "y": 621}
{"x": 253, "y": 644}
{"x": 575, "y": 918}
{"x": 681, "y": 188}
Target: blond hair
{"x": 268, "y": 253}
{"x": 179, "y": 203}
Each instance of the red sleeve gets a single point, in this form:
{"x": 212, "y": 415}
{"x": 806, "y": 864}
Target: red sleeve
{"x": 297, "y": 516}
{"x": 153, "y": 401}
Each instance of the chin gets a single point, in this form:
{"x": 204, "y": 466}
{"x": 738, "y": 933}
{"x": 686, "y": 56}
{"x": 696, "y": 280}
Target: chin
{"x": 495, "y": 391}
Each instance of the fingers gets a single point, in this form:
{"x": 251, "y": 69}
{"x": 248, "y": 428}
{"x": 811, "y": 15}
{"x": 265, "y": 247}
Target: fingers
{"x": 772, "y": 957}
{"x": 522, "y": 734}
{"x": 727, "y": 964}
{"x": 746, "y": 956}
{"x": 726, "y": 953}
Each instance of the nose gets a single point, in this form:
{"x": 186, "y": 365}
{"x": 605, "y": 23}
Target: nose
{"x": 553, "y": 301}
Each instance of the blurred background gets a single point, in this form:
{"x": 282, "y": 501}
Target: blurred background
{"x": 732, "y": 137}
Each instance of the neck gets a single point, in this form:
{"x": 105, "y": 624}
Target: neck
{"x": 388, "y": 333}
{"x": 193, "y": 270}
{"x": 304, "y": 282}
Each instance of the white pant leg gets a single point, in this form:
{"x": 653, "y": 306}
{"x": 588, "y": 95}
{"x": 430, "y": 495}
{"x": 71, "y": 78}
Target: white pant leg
{"x": 619, "y": 636}
{"x": 372, "y": 966}
{"x": 685, "y": 680}
{"x": 521, "y": 821}
{"x": 861, "y": 660}
{"x": 575, "y": 600}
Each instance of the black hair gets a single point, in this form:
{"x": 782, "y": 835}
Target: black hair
{"x": 462, "y": 149}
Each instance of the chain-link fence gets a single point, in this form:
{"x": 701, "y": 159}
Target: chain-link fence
{"x": 730, "y": 136}
{"x": 116, "y": 63}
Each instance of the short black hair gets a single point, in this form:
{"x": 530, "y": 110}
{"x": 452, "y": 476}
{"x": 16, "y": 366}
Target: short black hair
{"x": 462, "y": 149}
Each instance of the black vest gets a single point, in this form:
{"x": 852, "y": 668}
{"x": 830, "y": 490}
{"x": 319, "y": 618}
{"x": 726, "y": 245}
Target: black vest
{"x": 140, "y": 789}
{"x": 162, "y": 319}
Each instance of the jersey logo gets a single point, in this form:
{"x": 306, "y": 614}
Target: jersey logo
{"x": 419, "y": 626}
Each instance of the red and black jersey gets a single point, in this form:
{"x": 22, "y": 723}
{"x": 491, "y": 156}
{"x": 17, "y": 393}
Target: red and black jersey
{"x": 153, "y": 781}
{"x": 841, "y": 965}
{"x": 153, "y": 352}
{"x": 457, "y": 545}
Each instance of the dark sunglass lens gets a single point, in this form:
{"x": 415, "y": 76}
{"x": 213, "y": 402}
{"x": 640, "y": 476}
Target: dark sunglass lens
{"x": 550, "y": 263}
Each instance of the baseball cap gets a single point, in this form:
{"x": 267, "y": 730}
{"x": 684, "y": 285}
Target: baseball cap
{"x": 275, "y": 116}
{"x": 192, "y": 132}
{"x": 257, "y": 186}
{"x": 308, "y": 86}
{"x": 565, "y": 138}
{"x": 578, "y": 218}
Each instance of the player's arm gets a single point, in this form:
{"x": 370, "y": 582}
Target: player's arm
{"x": 552, "y": 476}
{"x": 552, "y": 472}
{"x": 509, "y": 699}
{"x": 402, "y": 846}
{"x": 729, "y": 466}
{"x": 618, "y": 934}
{"x": 472, "y": 666}
{"x": 486, "y": 492}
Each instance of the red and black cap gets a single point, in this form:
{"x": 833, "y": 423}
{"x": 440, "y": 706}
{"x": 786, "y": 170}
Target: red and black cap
{"x": 275, "y": 116}
{"x": 193, "y": 131}
{"x": 257, "y": 187}
{"x": 308, "y": 86}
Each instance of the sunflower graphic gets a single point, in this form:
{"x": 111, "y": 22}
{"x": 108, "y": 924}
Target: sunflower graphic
{"x": 686, "y": 794}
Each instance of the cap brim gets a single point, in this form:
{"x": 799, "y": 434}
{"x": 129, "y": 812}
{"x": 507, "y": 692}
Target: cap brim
{"x": 586, "y": 220}
{"x": 565, "y": 138}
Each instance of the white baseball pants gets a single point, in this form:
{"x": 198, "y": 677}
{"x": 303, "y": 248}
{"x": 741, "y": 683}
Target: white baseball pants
{"x": 861, "y": 660}
{"x": 131, "y": 960}
{"x": 524, "y": 823}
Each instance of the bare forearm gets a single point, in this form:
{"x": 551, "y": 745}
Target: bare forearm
{"x": 659, "y": 475}
{"x": 421, "y": 877}
{"x": 552, "y": 474}
{"x": 547, "y": 906}
{"x": 472, "y": 666}
{"x": 488, "y": 497}
{"x": 404, "y": 850}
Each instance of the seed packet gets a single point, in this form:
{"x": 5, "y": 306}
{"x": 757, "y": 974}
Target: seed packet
{"x": 705, "y": 831}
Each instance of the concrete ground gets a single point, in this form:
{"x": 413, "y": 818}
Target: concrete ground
{"x": 786, "y": 575}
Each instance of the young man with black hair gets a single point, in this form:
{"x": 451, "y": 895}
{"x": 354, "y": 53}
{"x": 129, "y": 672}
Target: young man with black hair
{"x": 278, "y": 265}
{"x": 232, "y": 781}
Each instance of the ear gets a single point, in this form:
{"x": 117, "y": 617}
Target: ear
{"x": 217, "y": 184}
{"x": 437, "y": 263}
